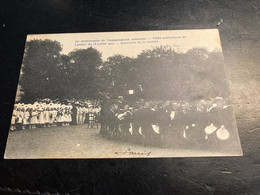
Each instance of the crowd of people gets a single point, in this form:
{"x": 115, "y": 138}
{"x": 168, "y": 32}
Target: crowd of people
{"x": 164, "y": 123}
{"x": 48, "y": 113}
{"x": 152, "y": 122}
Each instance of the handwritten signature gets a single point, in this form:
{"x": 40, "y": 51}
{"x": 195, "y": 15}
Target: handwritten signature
{"x": 130, "y": 152}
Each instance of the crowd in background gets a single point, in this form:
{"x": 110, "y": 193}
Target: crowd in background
{"x": 48, "y": 113}
{"x": 165, "y": 122}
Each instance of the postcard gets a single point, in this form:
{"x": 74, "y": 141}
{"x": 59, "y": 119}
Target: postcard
{"x": 138, "y": 94}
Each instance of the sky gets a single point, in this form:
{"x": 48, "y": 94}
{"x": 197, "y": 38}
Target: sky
{"x": 132, "y": 43}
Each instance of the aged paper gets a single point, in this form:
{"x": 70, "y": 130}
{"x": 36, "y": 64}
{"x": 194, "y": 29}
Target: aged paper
{"x": 140, "y": 94}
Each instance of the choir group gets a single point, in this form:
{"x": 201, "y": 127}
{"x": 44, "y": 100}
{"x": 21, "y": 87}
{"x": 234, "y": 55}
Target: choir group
{"x": 47, "y": 114}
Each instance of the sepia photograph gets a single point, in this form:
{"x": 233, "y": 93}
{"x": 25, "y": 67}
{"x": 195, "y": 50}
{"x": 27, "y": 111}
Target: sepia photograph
{"x": 134, "y": 94}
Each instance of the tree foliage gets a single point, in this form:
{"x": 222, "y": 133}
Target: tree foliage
{"x": 39, "y": 69}
{"x": 48, "y": 74}
{"x": 85, "y": 73}
{"x": 166, "y": 74}
{"x": 161, "y": 72}
{"x": 119, "y": 74}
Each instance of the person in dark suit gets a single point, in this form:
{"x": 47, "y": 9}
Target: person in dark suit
{"x": 147, "y": 116}
{"x": 105, "y": 107}
{"x": 136, "y": 122}
{"x": 163, "y": 118}
{"x": 74, "y": 115}
{"x": 125, "y": 119}
{"x": 111, "y": 120}
{"x": 178, "y": 127}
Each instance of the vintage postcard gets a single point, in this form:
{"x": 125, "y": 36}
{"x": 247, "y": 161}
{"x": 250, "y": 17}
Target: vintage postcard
{"x": 139, "y": 94}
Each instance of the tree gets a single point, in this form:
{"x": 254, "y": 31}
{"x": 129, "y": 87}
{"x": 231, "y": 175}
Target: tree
{"x": 38, "y": 75}
{"x": 119, "y": 74}
{"x": 162, "y": 72}
{"x": 166, "y": 74}
{"x": 155, "y": 71}
{"x": 84, "y": 73}
{"x": 63, "y": 78}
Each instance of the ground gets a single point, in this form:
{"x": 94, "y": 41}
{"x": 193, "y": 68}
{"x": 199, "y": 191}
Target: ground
{"x": 80, "y": 141}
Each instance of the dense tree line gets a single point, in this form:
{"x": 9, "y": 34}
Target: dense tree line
{"x": 161, "y": 73}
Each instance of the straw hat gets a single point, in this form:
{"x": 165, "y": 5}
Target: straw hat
{"x": 223, "y": 133}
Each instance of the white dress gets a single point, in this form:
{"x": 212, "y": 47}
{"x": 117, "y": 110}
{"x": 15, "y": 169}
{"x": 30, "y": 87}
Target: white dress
{"x": 54, "y": 116}
{"x": 70, "y": 117}
{"x": 34, "y": 119}
{"x": 13, "y": 117}
{"x": 51, "y": 113}
{"x": 26, "y": 117}
{"x": 47, "y": 116}
{"x": 63, "y": 116}
{"x": 59, "y": 116}
{"x": 41, "y": 117}
{"x": 19, "y": 117}
{"x": 66, "y": 116}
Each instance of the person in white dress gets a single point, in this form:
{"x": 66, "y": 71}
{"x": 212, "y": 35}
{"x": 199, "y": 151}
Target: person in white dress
{"x": 91, "y": 116}
{"x": 66, "y": 116}
{"x": 54, "y": 116}
{"x": 41, "y": 121}
{"x": 19, "y": 118}
{"x": 26, "y": 119}
{"x": 47, "y": 116}
{"x": 78, "y": 114}
{"x": 34, "y": 118}
{"x": 70, "y": 114}
{"x": 59, "y": 116}
{"x": 13, "y": 120}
